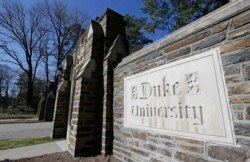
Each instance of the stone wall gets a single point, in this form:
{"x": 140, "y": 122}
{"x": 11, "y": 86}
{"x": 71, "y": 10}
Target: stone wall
{"x": 61, "y": 103}
{"x": 227, "y": 28}
{"x": 46, "y": 104}
{"x": 86, "y": 92}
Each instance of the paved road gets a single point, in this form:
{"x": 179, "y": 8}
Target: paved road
{"x": 25, "y": 130}
{"x": 34, "y": 150}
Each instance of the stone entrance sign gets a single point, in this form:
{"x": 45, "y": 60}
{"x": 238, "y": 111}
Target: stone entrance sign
{"x": 184, "y": 98}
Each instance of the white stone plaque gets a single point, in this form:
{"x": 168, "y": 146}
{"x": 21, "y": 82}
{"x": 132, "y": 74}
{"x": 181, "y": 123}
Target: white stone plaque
{"x": 184, "y": 98}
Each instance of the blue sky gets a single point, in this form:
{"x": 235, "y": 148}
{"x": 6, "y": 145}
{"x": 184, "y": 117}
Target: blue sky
{"x": 97, "y": 7}
{"x": 94, "y": 8}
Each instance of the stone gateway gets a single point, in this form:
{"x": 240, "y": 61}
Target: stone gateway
{"x": 185, "y": 97}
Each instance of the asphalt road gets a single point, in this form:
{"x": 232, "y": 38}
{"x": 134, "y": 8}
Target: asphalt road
{"x": 25, "y": 130}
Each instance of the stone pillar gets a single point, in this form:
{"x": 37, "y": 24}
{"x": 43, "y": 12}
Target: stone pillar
{"x": 46, "y": 104}
{"x": 40, "y": 110}
{"x": 85, "y": 130}
{"x": 116, "y": 47}
{"x": 118, "y": 51}
{"x": 49, "y": 109}
{"x": 59, "y": 129}
{"x": 113, "y": 25}
{"x": 107, "y": 131}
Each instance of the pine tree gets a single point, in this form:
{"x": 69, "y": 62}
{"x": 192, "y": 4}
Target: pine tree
{"x": 135, "y": 32}
{"x": 170, "y": 15}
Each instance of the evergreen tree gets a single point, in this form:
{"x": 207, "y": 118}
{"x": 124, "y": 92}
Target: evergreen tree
{"x": 170, "y": 15}
{"x": 135, "y": 32}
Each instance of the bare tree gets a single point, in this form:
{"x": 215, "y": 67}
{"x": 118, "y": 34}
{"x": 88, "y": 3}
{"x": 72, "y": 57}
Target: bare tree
{"x": 20, "y": 31}
{"x": 65, "y": 28}
{"x": 2, "y": 76}
{"x": 46, "y": 54}
{"x": 6, "y": 81}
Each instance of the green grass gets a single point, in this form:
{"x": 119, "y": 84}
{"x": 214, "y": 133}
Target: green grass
{"x": 14, "y": 121}
{"x": 8, "y": 144}
{"x": 9, "y": 118}
{"x": 16, "y": 116}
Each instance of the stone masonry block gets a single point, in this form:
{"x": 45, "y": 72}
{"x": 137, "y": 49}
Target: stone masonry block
{"x": 191, "y": 148}
{"x": 188, "y": 158}
{"x": 239, "y": 56}
{"x": 153, "y": 159}
{"x": 242, "y": 128}
{"x": 169, "y": 144}
{"x": 140, "y": 135}
{"x": 246, "y": 72}
{"x": 152, "y": 147}
{"x": 187, "y": 41}
{"x": 237, "y": 107}
{"x": 190, "y": 141}
{"x": 166, "y": 137}
{"x": 233, "y": 79}
{"x": 227, "y": 154}
{"x": 178, "y": 53}
{"x": 235, "y": 45}
{"x": 231, "y": 70}
{"x": 139, "y": 151}
{"x": 241, "y": 32}
{"x": 164, "y": 152}
{"x": 241, "y": 20}
{"x": 239, "y": 100}
{"x": 247, "y": 113}
{"x": 243, "y": 142}
{"x": 238, "y": 115}
{"x": 212, "y": 40}
{"x": 238, "y": 89}
{"x": 127, "y": 134}
{"x": 220, "y": 27}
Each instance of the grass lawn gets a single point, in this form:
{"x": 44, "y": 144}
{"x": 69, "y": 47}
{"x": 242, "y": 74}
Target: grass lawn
{"x": 16, "y": 116}
{"x": 9, "y": 118}
{"x": 14, "y": 121}
{"x": 8, "y": 144}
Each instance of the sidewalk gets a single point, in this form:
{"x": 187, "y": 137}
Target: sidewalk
{"x": 34, "y": 150}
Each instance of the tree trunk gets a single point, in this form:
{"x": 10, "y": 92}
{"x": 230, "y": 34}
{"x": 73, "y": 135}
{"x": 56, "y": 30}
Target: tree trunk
{"x": 47, "y": 66}
{"x": 47, "y": 69}
{"x": 56, "y": 80}
{"x": 30, "y": 89}
{"x": 6, "y": 98}
{"x": 56, "y": 74}
{"x": 0, "y": 88}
